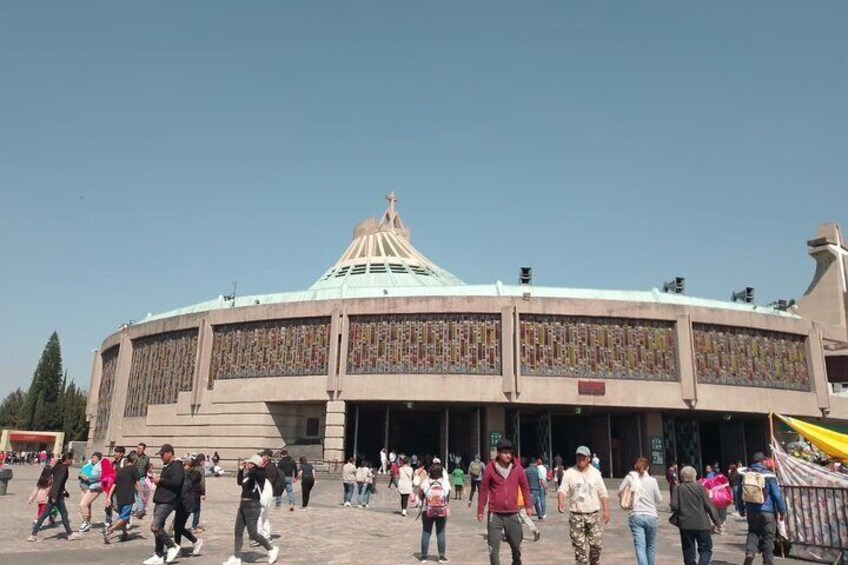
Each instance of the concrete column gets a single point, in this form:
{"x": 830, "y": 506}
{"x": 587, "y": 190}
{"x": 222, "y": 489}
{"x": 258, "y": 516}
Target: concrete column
{"x": 495, "y": 421}
{"x": 334, "y": 434}
{"x": 508, "y": 360}
{"x": 333, "y": 360}
{"x": 344, "y": 328}
{"x": 93, "y": 398}
{"x": 817, "y": 369}
{"x": 686, "y": 360}
{"x": 203, "y": 362}
{"x": 119, "y": 393}
{"x": 653, "y": 428}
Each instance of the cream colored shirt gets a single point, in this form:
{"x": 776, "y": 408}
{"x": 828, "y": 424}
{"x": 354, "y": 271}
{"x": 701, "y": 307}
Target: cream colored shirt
{"x": 583, "y": 491}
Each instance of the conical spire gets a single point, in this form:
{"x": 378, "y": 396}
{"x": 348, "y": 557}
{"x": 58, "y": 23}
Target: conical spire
{"x": 381, "y": 255}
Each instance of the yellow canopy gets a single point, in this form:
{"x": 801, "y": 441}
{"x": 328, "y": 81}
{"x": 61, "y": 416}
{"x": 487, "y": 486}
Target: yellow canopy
{"x": 832, "y": 443}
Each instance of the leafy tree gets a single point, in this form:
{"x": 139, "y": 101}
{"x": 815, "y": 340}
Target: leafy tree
{"x": 41, "y": 409}
{"x": 74, "y": 423}
{"x": 10, "y": 409}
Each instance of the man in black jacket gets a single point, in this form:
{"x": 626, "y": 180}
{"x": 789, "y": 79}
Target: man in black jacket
{"x": 288, "y": 469}
{"x": 56, "y": 499}
{"x": 169, "y": 491}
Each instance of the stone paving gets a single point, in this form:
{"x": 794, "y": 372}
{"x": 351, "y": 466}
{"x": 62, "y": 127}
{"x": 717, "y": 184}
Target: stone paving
{"x": 327, "y": 533}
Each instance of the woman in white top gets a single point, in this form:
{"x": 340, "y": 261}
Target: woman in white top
{"x": 435, "y": 495}
{"x": 645, "y": 497}
{"x": 405, "y": 475}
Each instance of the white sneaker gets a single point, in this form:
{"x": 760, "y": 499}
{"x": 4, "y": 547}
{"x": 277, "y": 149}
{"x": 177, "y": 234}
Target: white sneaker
{"x": 153, "y": 560}
{"x": 233, "y": 560}
{"x": 173, "y": 553}
{"x": 403, "y": 512}
{"x": 196, "y": 549}
{"x": 85, "y": 526}
{"x": 254, "y": 543}
{"x": 272, "y": 554}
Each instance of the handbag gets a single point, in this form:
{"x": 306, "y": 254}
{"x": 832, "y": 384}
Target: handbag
{"x": 625, "y": 497}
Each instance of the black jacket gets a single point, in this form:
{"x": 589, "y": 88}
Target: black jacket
{"x": 252, "y": 483}
{"x": 287, "y": 467}
{"x": 60, "y": 478}
{"x": 170, "y": 487}
{"x": 273, "y": 475}
{"x": 192, "y": 491}
{"x": 692, "y": 505}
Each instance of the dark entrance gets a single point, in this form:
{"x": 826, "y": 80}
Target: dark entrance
{"x": 416, "y": 432}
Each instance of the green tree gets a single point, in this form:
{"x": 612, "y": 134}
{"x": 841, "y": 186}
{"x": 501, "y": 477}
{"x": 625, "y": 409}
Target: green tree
{"x": 10, "y": 409}
{"x": 41, "y": 408}
{"x": 74, "y": 422}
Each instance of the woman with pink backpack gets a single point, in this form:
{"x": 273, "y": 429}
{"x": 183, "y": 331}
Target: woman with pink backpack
{"x": 435, "y": 494}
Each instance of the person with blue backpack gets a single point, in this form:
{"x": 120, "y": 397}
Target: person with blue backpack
{"x": 764, "y": 505}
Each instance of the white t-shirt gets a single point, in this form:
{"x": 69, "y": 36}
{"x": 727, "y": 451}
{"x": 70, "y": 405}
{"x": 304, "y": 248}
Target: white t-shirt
{"x": 583, "y": 490}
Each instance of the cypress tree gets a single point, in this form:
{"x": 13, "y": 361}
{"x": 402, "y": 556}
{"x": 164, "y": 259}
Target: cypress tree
{"x": 45, "y": 389}
{"x": 11, "y": 409}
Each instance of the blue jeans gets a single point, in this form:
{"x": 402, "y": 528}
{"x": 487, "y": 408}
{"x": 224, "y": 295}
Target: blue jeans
{"x": 540, "y": 504}
{"x": 289, "y": 492}
{"x": 348, "y": 491}
{"x": 63, "y": 512}
{"x": 427, "y": 524}
{"x": 364, "y": 494}
{"x": 195, "y": 519}
{"x": 644, "y": 530}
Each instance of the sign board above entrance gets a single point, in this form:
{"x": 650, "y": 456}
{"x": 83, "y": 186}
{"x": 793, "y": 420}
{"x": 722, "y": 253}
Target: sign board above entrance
{"x": 593, "y": 388}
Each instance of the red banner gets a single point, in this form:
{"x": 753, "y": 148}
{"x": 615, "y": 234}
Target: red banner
{"x": 593, "y": 388}
{"x": 32, "y": 438}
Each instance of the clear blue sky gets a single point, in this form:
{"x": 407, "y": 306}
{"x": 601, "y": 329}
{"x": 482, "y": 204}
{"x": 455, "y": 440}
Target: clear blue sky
{"x": 152, "y": 153}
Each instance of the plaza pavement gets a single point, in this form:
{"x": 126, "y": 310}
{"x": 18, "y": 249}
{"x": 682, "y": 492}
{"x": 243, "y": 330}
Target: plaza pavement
{"x": 327, "y": 532}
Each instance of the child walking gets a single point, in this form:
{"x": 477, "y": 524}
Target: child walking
{"x": 458, "y": 482}
{"x": 40, "y": 494}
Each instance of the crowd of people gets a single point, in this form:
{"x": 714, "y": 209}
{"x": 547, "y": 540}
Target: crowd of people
{"x": 14, "y": 457}
{"x": 509, "y": 494}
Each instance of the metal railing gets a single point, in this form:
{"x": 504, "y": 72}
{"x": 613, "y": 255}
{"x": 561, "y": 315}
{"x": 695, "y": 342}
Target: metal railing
{"x": 817, "y": 516}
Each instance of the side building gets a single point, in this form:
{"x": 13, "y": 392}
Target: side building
{"x": 387, "y": 348}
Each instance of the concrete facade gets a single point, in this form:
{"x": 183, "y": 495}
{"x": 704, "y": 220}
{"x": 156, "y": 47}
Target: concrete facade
{"x": 234, "y": 416}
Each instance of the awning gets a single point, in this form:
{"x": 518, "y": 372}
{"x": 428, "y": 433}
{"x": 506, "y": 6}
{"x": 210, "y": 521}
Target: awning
{"x": 833, "y": 444}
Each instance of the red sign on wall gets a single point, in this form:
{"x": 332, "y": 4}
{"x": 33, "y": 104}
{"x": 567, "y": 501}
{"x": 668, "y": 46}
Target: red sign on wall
{"x": 32, "y": 438}
{"x": 592, "y": 388}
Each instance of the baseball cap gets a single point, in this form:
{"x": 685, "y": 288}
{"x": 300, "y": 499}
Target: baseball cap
{"x": 255, "y": 460}
{"x": 759, "y": 457}
{"x": 583, "y": 450}
{"x": 166, "y": 448}
{"x": 504, "y": 445}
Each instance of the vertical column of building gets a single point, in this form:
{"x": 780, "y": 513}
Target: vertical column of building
{"x": 508, "y": 358}
{"x": 817, "y": 368}
{"x": 93, "y": 397}
{"x": 203, "y": 363}
{"x": 119, "y": 390}
{"x": 334, "y": 422}
{"x": 686, "y": 360}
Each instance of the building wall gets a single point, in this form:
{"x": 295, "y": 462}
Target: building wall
{"x": 233, "y": 376}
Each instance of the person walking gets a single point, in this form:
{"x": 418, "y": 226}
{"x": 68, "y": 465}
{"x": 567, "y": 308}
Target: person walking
{"x": 40, "y": 494}
{"x": 187, "y": 505}
{"x": 458, "y": 482}
{"x": 692, "y": 513}
{"x": 735, "y": 479}
{"x": 417, "y": 478}
{"x": 435, "y": 495}
{"x": 384, "y": 462}
{"x": 394, "y": 468}
{"x": 672, "y": 478}
{"x": 200, "y": 463}
{"x": 306, "y": 476}
{"x": 537, "y": 488}
{"x": 287, "y": 468}
{"x": 123, "y": 493}
{"x": 169, "y": 490}
{"x": 349, "y": 480}
{"x": 763, "y": 499}
{"x": 645, "y": 497}
{"x": 272, "y": 473}
{"x": 405, "y": 477}
{"x": 502, "y": 479}
{"x": 108, "y": 471}
{"x": 251, "y": 479}
{"x": 475, "y": 475}
{"x": 269, "y": 471}
{"x": 364, "y": 480}
{"x": 56, "y": 499}
{"x": 142, "y": 462}
{"x": 588, "y": 504}
{"x": 89, "y": 479}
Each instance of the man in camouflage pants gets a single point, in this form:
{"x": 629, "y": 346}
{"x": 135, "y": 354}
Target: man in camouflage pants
{"x": 588, "y": 504}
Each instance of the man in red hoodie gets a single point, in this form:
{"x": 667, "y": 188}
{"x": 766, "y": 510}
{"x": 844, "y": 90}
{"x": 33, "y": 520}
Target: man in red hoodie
{"x": 499, "y": 488}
